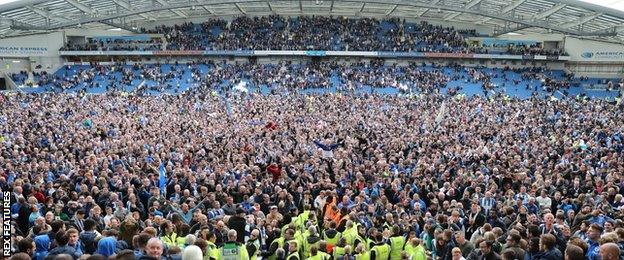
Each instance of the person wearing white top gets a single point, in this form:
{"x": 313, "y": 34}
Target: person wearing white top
{"x": 543, "y": 200}
{"x": 457, "y": 254}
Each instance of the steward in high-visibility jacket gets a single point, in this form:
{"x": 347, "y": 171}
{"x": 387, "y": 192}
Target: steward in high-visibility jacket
{"x": 233, "y": 250}
{"x": 300, "y": 221}
{"x": 299, "y": 238}
{"x": 253, "y": 245}
{"x": 280, "y": 243}
{"x": 361, "y": 253}
{"x": 277, "y": 243}
{"x": 315, "y": 254}
{"x": 397, "y": 243}
{"x": 339, "y": 249}
{"x": 370, "y": 240}
{"x": 170, "y": 239}
{"x": 365, "y": 255}
{"x": 331, "y": 235}
{"x": 287, "y": 227}
{"x": 360, "y": 237}
{"x": 350, "y": 232}
{"x": 415, "y": 250}
{"x": 313, "y": 240}
{"x": 354, "y": 235}
{"x": 212, "y": 251}
{"x": 293, "y": 250}
{"x": 324, "y": 255}
{"x": 323, "y": 249}
{"x": 381, "y": 250}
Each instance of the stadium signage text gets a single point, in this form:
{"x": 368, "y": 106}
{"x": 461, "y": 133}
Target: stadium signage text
{"x": 14, "y": 50}
{"x": 603, "y": 55}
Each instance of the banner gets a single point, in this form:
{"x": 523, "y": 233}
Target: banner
{"x": 315, "y": 53}
{"x": 497, "y": 56}
{"x": 279, "y": 53}
{"x": 604, "y": 55}
{"x": 391, "y": 54}
{"x": 179, "y": 53}
{"x": 104, "y": 53}
{"x": 353, "y": 53}
{"x": 16, "y": 50}
{"x": 552, "y": 57}
{"x": 229, "y": 53}
{"x": 448, "y": 55}
{"x": 384, "y": 54}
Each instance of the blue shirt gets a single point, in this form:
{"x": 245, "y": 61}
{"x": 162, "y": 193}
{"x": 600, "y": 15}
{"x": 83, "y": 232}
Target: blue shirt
{"x": 593, "y": 253}
{"x": 78, "y": 248}
{"x": 600, "y": 219}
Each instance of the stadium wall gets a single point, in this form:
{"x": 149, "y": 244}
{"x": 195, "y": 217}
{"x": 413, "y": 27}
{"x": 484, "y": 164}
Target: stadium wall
{"x": 595, "y": 58}
{"x": 28, "y": 52}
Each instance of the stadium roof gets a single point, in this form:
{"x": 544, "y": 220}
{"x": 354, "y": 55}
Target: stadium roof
{"x": 571, "y": 17}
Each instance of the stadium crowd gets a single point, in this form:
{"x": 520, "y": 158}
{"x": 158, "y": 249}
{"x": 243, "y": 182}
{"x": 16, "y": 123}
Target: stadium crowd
{"x": 291, "y": 77}
{"x": 204, "y": 175}
{"x": 115, "y": 45}
{"x": 310, "y": 33}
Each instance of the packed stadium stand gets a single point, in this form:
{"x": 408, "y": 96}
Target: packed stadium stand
{"x": 326, "y": 130}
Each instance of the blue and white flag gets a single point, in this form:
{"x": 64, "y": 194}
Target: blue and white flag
{"x": 162, "y": 179}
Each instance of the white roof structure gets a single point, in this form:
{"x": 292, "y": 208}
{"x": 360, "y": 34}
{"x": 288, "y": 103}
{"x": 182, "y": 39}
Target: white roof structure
{"x": 571, "y": 17}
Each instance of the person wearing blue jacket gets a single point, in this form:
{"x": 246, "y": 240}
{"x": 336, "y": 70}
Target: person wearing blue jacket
{"x": 593, "y": 235}
{"x": 107, "y": 246}
{"x": 62, "y": 238}
{"x": 42, "y": 245}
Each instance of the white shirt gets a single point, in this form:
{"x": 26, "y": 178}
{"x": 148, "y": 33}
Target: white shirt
{"x": 544, "y": 202}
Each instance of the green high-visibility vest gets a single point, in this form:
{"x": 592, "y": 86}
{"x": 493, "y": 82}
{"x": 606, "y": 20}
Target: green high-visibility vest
{"x": 233, "y": 251}
{"x": 171, "y": 239}
{"x": 318, "y": 256}
{"x": 350, "y": 234}
{"x": 299, "y": 247}
{"x": 396, "y": 244}
{"x": 308, "y": 247}
{"x": 283, "y": 230}
{"x": 181, "y": 241}
{"x": 280, "y": 244}
{"x": 301, "y": 220}
{"x": 333, "y": 241}
{"x": 369, "y": 242}
{"x": 363, "y": 256}
{"x": 256, "y": 244}
{"x": 362, "y": 240}
{"x": 382, "y": 251}
{"x": 416, "y": 252}
{"x": 298, "y": 238}
{"x": 212, "y": 251}
{"x": 293, "y": 256}
{"x": 338, "y": 251}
